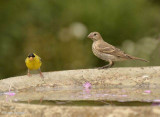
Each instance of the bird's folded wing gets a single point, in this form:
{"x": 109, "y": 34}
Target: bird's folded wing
{"x": 25, "y": 60}
{"x": 40, "y": 59}
{"x": 109, "y": 49}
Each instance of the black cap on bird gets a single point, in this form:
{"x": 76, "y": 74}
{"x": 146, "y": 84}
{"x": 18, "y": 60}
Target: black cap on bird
{"x": 31, "y": 55}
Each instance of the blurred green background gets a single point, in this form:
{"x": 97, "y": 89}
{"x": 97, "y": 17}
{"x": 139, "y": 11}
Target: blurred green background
{"x": 56, "y": 30}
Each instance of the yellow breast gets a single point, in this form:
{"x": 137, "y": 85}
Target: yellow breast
{"x": 34, "y": 64}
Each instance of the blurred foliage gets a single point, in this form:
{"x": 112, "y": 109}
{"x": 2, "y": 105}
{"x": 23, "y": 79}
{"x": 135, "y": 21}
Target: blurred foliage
{"x": 44, "y": 27}
{"x": 155, "y": 1}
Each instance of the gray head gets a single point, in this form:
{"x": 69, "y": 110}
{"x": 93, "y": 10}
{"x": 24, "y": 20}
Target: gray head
{"x": 95, "y": 36}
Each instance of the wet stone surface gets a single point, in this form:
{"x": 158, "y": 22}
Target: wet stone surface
{"x": 47, "y": 93}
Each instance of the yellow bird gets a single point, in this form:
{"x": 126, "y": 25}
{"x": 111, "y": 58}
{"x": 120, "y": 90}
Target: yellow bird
{"x": 33, "y": 62}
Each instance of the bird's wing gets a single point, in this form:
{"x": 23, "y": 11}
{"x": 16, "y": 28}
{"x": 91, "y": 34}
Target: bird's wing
{"x": 109, "y": 49}
{"x": 25, "y": 60}
{"x": 39, "y": 59}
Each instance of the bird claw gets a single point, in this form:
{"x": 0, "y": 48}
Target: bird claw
{"x": 104, "y": 67}
{"x": 29, "y": 75}
{"x": 42, "y": 76}
{"x": 98, "y": 68}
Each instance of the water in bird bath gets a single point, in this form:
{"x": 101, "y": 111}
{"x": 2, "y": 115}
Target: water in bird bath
{"x": 80, "y": 96}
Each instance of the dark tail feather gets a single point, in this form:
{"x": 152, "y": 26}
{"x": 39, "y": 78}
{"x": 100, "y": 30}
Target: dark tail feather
{"x": 136, "y": 58}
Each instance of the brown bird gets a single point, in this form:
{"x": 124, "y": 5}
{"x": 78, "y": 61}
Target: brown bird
{"x": 107, "y": 52}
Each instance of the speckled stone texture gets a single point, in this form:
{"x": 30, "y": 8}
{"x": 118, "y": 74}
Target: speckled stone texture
{"x": 113, "y": 77}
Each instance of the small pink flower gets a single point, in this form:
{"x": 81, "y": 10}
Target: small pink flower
{"x": 124, "y": 95}
{"x": 87, "y": 90}
{"x": 157, "y": 100}
{"x": 105, "y": 94}
{"x": 147, "y": 91}
{"x": 155, "y": 104}
{"x": 10, "y": 93}
{"x": 87, "y": 85}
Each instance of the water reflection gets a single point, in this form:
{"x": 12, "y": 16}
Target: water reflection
{"x": 87, "y": 90}
{"x": 9, "y": 94}
{"x": 85, "y": 94}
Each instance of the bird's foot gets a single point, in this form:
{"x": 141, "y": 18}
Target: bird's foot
{"x": 42, "y": 76}
{"x": 29, "y": 101}
{"x": 41, "y": 100}
{"x": 29, "y": 75}
{"x": 104, "y": 67}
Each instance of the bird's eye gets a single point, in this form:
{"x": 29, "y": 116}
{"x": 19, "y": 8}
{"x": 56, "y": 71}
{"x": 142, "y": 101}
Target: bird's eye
{"x": 95, "y": 34}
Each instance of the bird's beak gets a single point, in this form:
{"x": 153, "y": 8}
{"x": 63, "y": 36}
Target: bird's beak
{"x": 30, "y": 58}
{"x": 89, "y": 36}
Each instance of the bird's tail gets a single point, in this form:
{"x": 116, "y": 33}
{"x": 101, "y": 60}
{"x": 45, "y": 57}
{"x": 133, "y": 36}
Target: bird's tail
{"x": 136, "y": 58}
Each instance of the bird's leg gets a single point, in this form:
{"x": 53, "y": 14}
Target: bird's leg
{"x": 29, "y": 73}
{"x": 29, "y": 101}
{"x": 111, "y": 63}
{"x": 41, "y": 74}
{"x": 41, "y": 100}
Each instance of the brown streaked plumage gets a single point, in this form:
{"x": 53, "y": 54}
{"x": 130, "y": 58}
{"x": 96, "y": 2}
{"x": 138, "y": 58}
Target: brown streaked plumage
{"x": 107, "y": 52}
